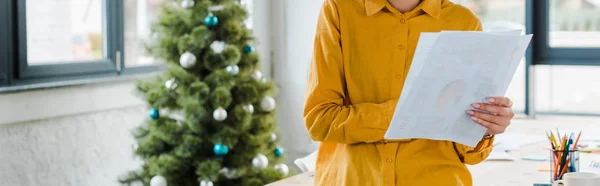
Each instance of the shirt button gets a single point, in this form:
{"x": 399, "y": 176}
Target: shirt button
{"x": 398, "y": 76}
{"x": 389, "y": 160}
{"x": 402, "y": 20}
{"x": 401, "y": 47}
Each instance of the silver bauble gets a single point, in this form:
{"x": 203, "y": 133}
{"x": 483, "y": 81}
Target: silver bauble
{"x": 233, "y": 69}
{"x": 283, "y": 168}
{"x": 220, "y": 114}
{"x": 187, "y": 60}
{"x": 158, "y": 181}
{"x": 171, "y": 84}
{"x": 187, "y": 3}
{"x": 256, "y": 75}
{"x": 273, "y": 136}
{"x": 217, "y": 46}
{"x": 260, "y": 161}
{"x": 206, "y": 182}
{"x": 267, "y": 104}
{"x": 249, "y": 108}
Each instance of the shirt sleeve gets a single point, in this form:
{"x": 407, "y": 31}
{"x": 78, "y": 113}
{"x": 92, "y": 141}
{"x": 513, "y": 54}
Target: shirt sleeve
{"x": 484, "y": 147}
{"x": 329, "y": 116}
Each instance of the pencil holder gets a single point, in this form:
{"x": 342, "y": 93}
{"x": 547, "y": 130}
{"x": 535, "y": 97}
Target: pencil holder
{"x": 563, "y": 162}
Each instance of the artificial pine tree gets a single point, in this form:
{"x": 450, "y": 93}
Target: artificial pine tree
{"x": 211, "y": 115}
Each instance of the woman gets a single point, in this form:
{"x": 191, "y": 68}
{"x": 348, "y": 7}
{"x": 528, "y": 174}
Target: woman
{"x": 362, "y": 53}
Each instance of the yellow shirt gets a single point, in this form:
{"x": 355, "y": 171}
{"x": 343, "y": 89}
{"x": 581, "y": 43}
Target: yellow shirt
{"x": 362, "y": 54}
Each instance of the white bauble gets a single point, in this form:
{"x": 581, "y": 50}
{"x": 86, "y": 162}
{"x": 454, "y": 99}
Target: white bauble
{"x": 171, "y": 84}
{"x": 256, "y": 75}
{"x": 158, "y": 181}
{"x": 249, "y": 108}
{"x": 233, "y": 69}
{"x": 187, "y": 3}
{"x": 260, "y": 161}
{"x": 267, "y": 104}
{"x": 217, "y": 46}
{"x": 206, "y": 183}
{"x": 273, "y": 136}
{"x": 187, "y": 60}
{"x": 283, "y": 168}
{"x": 220, "y": 114}
{"x": 264, "y": 80}
{"x": 228, "y": 173}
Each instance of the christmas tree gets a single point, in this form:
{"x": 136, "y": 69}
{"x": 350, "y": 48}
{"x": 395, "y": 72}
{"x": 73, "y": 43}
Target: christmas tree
{"x": 211, "y": 114}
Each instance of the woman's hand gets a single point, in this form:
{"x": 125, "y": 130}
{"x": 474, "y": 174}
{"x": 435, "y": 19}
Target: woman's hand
{"x": 494, "y": 115}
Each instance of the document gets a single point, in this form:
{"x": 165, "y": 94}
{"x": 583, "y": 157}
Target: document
{"x": 450, "y": 71}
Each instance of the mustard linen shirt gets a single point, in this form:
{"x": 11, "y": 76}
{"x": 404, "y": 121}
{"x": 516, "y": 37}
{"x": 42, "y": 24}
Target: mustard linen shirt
{"x": 362, "y": 54}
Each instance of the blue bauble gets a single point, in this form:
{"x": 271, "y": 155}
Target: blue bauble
{"x": 211, "y": 21}
{"x": 278, "y": 151}
{"x": 153, "y": 113}
{"x": 220, "y": 149}
{"x": 248, "y": 49}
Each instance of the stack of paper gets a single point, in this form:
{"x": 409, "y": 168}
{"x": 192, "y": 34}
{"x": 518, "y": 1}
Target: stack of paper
{"x": 449, "y": 72}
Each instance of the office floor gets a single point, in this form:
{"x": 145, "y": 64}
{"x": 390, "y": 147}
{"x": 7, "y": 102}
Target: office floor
{"x": 511, "y": 173}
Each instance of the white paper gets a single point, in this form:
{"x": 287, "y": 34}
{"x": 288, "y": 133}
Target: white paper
{"x": 589, "y": 162}
{"x": 308, "y": 163}
{"x": 499, "y": 155}
{"x": 514, "y": 141}
{"x": 449, "y": 72}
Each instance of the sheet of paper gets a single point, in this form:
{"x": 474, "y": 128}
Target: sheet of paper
{"x": 308, "y": 163}
{"x": 451, "y": 70}
{"x": 499, "y": 155}
{"x": 514, "y": 141}
{"x": 589, "y": 162}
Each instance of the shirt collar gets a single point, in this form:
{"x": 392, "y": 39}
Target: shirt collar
{"x": 431, "y": 7}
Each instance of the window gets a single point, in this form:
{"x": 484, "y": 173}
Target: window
{"x": 501, "y": 15}
{"x": 50, "y": 41}
{"x": 65, "y": 31}
{"x": 574, "y": 23}
{"x": 139, "y": 16}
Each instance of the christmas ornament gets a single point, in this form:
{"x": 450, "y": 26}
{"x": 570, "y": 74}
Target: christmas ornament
{"x": 211, "y": 20}
{"x": 283, "y": 168}
{"x": 249, "y": 108}
{"x": 256, "y": 75}
{"x": 228, "y": 173}
{"x": 278, "y": 151}
{"x": 248, "y": 49}
{"x": 177, "y": 115}
{"x": 220, "y": 149}
{"x": 220, "y": 114}
{"x": 187, "y": 3}
{"x": 187, "y": 60}
{"x": 264, "y": 80}
{"x": 153, "y": 113}
{"x": 206, "y": 182}
{"x": 260, "y": 161}
{"x": 267, "y": 104}
{"x": 273, "y": 136}
{"x": 171, "y": 84}
{"x": 233, "y": 69}
{"x": 217, "y": 46}
{"x": 158, "y": 181}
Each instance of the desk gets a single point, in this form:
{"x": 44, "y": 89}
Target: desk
{"x": 502, "y": 173}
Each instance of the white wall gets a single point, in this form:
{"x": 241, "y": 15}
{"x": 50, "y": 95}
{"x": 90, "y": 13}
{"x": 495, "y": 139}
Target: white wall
{"x": 294, "y": 28}
{"x": 68, "y": 136}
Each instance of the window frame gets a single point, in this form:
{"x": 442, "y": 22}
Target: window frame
{"x": 16, "y": 74}
{"x": 547, "y": 55}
